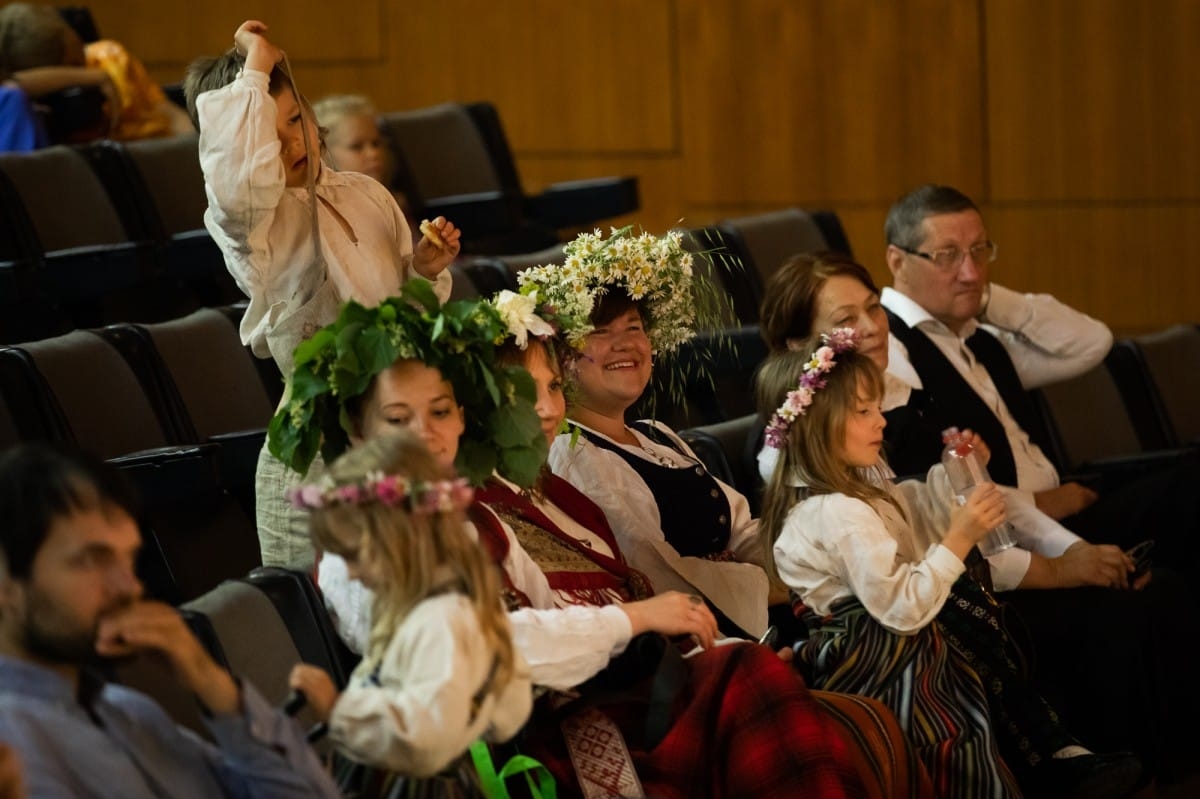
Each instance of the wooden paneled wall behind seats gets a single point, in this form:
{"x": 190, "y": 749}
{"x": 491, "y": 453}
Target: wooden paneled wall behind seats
{"x": 1075, "y": 123}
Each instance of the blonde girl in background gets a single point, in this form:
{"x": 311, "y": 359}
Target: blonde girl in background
{"x": 439, "y": 669}
{"x": 354, "y": 141}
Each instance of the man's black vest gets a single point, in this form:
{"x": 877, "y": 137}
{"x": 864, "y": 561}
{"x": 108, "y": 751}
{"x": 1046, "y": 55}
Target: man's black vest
{"x": 913, "y": 433}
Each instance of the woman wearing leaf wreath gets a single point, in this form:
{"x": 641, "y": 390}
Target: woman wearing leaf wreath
{"x": 743, "y": 724}
{"x": 624, "y": 301}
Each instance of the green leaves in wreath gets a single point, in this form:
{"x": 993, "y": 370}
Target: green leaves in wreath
{"x": 338, "y": 364}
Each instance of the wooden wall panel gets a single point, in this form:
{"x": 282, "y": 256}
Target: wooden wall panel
{"x": 167, "y": 34}
{"x": 789, "y": 101}
{"x": 560, "y": 73}
{"x": 1132, "y": 267}
{"x": 1093, "y": 99}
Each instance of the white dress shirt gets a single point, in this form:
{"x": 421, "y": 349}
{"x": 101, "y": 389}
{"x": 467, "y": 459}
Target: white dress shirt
{"x": 1047, "y": 341}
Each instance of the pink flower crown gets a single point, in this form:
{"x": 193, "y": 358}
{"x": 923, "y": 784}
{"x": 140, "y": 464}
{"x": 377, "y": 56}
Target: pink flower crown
{"x": 393, "y": 490}
{"x": 812, "y": 380}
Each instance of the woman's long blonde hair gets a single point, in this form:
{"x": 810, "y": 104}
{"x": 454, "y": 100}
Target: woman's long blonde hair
{"x": 814, "y": 451}
{"x": 411, "y": 551}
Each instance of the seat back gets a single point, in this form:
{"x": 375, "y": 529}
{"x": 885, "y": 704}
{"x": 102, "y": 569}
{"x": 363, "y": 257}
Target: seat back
{"x": 93, "y": 264}
{"x": 1171, "y": 360}
{"x": 519, "y": 262}
{"x": 99, "y": 396}
{"x": 255, "y": 641}
{"x": 199, "y": 374}
{"x": 1104, "y": 431}
{"x": 65, "y": 200}
{"x": 764, "y": 241}
{"x": 487, "y": 275}
{"x": 724, "y": 271}
{"x": 736, "y": 439}
{"x": 216, "y": 377}
{"x": 169, "y": 169}
{"x": 707, "y": 380}
{"x": 153, "y": 676}
{"x": 30, "y": 411}
{"x": 268, "y": 372}
{"x": 443, "y": 151}
{"x": 158, "y": 189}
{"x": 197, "y": 534}
{"x": 298, "y": 600}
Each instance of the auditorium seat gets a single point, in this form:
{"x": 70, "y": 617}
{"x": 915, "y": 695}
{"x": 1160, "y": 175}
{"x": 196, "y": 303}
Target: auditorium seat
{"x": 708, "y": 379}
{"x": 764, "y": 241}
{"x": 1094, "y": 437}
{"x": 79, "y": 389}
{"x": 713, "y": 261}
{"x": 1169, "y": 360}
{"x": 454, "y": 160}
{"x": 268, "y": 372}
{"x": 254, "y": 639}
{"x": 737, "y": 441}
{"x": 198, "y": 373}
{"x": 90, "y": 262}
{"x": 157, "y": 188}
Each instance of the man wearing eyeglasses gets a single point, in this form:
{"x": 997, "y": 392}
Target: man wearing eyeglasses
{"x": 969, "y": 349}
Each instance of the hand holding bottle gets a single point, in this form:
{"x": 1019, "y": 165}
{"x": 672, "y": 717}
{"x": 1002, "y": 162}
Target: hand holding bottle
{"x": 968, "y": 474}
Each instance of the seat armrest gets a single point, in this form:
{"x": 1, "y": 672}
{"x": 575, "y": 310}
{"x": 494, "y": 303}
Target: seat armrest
{"x": 1109, "y": 473}
{"x": 583, "y": 202}
{"x": 479, "y": 214}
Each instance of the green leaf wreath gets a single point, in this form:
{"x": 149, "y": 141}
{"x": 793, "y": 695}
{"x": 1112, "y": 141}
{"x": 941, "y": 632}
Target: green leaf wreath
{"x": 336, "y": 366}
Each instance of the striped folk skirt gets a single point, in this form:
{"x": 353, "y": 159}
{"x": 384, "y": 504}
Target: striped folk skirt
{"x": 930, "y": 686}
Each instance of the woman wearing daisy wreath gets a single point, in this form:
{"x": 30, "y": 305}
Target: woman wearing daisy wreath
{"x": 892, "y": 613}
{"x": 624, "y": 301}
{"x": 742, "y": 723}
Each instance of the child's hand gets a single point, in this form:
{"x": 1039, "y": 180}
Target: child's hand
{"x": 983, "y": 510}
{"x": 430, "y": 258}
{"x": 318, "y": 688}
{"x": 251, "y": 41}
{"x": 981, "y": 448}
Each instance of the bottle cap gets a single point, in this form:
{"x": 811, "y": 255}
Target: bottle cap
{"x": 950, "y": 434}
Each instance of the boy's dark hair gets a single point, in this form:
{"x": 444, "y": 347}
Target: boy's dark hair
{"x": 40, "y": 482}
{"x": 213, "y": 72}
{"x": 614, "y": 302}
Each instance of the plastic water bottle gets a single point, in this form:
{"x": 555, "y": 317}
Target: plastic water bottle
{"x": 966, "y": 470}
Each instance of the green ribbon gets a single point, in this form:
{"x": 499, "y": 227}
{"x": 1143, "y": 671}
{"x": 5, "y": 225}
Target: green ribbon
{"x": 493, "y": 782}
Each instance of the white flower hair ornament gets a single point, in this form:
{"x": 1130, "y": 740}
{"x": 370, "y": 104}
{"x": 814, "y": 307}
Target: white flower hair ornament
{"x": 812, "y": 380}
{"x": 520, "y": 314}
{"x": 655, "y": 271}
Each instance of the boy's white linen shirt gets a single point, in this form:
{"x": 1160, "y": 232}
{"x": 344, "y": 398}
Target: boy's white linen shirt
{"x": 264, "y": 229}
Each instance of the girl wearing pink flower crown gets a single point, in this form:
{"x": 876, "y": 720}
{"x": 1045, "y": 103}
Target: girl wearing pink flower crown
{"x": 439, "y": 669}
{"x": 892, "y": 613}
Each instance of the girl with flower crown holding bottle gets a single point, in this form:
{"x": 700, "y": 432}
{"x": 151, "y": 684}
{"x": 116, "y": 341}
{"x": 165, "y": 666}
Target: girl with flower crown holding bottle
{"x": 440, "y": 668}
{"x": 882, "y": 570}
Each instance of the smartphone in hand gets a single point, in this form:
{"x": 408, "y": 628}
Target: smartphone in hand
{"x": 1141, "y": 558}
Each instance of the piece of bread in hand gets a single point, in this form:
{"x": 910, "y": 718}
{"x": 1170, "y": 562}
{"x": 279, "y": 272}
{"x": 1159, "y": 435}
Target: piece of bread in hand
{"x": 430, "y": 232}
